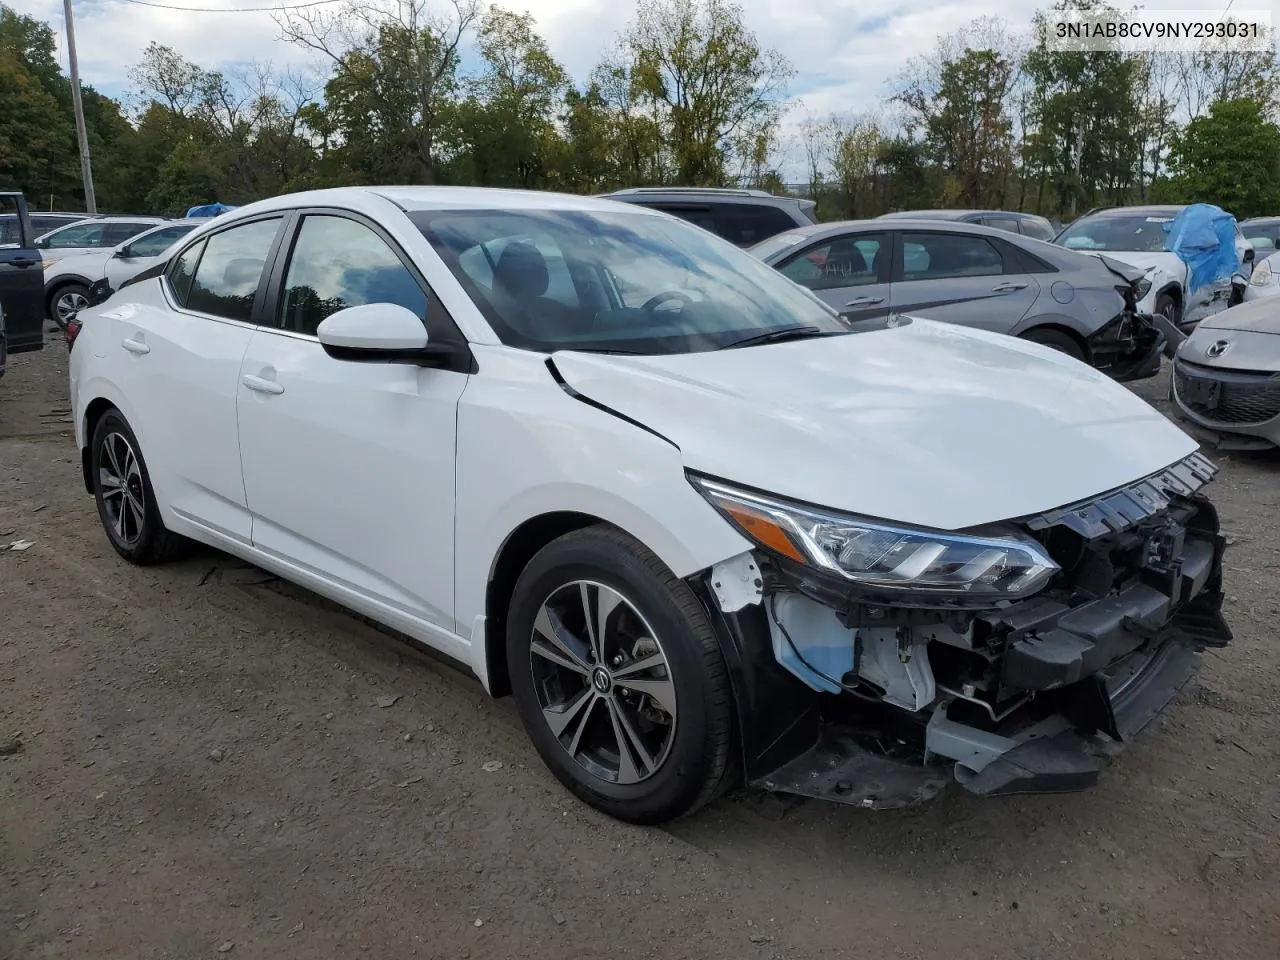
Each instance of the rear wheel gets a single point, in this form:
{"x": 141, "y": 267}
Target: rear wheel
{"x": 1062, "y": 342}
{"x": 126, "y": 502}
{"x": 618, "y": 677}
{"x": 66, "y": 302}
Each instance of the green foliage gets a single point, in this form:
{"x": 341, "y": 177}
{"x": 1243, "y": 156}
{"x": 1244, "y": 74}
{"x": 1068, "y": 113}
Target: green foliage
{"x": 687, "y": 95}
{"x": 1230, "y": 158}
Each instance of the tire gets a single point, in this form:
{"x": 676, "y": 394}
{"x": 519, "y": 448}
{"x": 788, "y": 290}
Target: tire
{"x": 1167, "y": 306}
{"x": 1062, "y": 342}
{"x": 66, "y": 301}
{"x": 594, "y": 698}
{"x": 130, "y": 517}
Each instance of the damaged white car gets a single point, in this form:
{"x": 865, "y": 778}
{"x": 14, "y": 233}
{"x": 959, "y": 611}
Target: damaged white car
{"x": 626, "y": 472}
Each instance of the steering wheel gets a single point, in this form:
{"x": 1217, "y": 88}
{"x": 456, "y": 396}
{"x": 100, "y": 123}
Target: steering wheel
{"x": 660, "y": 298}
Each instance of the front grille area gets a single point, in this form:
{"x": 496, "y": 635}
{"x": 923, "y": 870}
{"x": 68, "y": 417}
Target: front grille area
{"x": 1227, "y": 396}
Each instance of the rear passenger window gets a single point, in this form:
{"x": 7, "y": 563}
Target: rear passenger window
{"x": 228, "y": 274}
{"x": 1002, "y": 223}
{"x": 936, "y": 256}
{"x": 181, "y": 272}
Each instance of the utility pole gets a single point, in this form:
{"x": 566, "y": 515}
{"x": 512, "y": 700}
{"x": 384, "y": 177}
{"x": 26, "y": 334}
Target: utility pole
{"x": 82, "y": 134}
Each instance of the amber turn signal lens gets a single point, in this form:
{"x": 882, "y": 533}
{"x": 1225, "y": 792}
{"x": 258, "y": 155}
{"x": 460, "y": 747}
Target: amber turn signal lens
{"x": 764, "y": 529}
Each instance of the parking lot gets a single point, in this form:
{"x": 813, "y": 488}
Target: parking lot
{"x": 200, "y": 760}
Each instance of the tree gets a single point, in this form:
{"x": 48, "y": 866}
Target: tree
{"x": 1230, "y": 158}
{"x": 713, "y": 85}
{"x": 1087, "y": 138}
{"x": 394, "y": 78}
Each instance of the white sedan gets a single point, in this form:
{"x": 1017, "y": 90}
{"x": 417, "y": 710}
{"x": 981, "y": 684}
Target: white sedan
{"x": 626, "y": 472}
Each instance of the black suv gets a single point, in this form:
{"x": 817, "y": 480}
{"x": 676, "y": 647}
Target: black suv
{"x": 744, "y": 217}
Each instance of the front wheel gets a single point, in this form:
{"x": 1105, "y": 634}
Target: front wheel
{"x": 1167, "y": 307}
{"x": 619, "y": 678}
{"x": 66, "y": 302}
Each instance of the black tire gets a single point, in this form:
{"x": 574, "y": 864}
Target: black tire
{"x": 60, "y": 312}
{"x": 141, "y": 536}
{"x": 1167, "y": 307}
{"x": 1062, "y": 342}
{"x": 694, "y": 766}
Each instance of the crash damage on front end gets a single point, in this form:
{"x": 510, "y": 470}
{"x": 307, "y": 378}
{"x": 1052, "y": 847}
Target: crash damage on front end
{"x": 874, "y": 665}
{"x": 1129, "y": 346}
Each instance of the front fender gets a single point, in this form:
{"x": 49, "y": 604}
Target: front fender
{"x": 527, "y": 448}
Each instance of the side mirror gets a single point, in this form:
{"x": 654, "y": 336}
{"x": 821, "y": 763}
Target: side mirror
{"x": 1249, "y": 254}
{"x": 120, "y": 253}
{"x": 378, "y": 332}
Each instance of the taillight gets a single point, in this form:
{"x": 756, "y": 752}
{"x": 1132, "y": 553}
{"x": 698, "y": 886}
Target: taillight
{"x": 72, "y": 331}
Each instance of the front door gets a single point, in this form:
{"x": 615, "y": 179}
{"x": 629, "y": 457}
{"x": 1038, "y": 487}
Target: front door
{"x": 850, "y": 273}
{"x": 963, "y": 278}
{"x": 349, "y": 465}
{"x": 21, "y": 279}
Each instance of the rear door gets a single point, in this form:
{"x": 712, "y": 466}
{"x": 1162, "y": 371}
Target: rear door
{"x": 964, "y": 278}
{"x": 849, "y": 272}
{"x": 21, "y": 281}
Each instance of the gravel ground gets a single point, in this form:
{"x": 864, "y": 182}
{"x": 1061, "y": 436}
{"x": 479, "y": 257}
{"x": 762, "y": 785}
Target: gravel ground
{"x": 204, "y": 761}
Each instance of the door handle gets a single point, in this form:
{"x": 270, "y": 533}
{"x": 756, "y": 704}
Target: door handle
{"x": 864, "y": 301}
{"x": 260, "y": 385}
{"x": 136, "y": 347}
{"x": 1007, "y": 287}
{"x": 25, "y": 261}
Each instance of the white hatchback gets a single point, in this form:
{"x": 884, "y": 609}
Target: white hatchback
{"x": 626, "y": 472}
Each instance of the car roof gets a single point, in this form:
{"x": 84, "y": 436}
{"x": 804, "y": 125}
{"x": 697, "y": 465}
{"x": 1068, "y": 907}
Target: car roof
{"x": 412, "y": 199}
{"x": 940, "y": 214}
{"x": 1152, "y": 210}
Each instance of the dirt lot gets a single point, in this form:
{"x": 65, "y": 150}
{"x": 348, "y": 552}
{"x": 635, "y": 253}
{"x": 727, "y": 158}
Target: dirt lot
{"x": 208, "y": 766}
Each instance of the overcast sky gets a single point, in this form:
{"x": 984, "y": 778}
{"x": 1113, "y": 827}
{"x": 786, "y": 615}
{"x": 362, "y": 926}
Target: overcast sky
{"x": 844, "y": 50}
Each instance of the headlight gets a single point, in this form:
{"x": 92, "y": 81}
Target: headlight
{"x": 1261, "y": 274}
{"x": 1142, "y": 288}
{"x": 886, "y": 557}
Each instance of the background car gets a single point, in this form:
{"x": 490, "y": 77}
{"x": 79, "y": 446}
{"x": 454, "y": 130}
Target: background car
{"x": 1027, "y": 224}
{"x": 1264, "y": 282}
{"x": 743, "y": 217}
{"x": 871, "y": 270}
{"x": 69, "y": 278}
{"x": 1136, "y": 235}
{"x": 1226, "y": 377}
{"x": 95, "y": 234}
{"x": 1263, "y": 234}
{"x": 21, "y": 281}
{"x": 41, "y": 223}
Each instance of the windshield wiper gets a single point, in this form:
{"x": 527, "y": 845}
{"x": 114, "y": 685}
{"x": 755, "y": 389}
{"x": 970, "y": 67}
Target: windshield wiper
{"x": 778, "y": 336}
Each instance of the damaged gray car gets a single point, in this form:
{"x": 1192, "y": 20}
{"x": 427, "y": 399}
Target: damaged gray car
{"x": 873, "y": 271}
{"x": 1226, "y": 377}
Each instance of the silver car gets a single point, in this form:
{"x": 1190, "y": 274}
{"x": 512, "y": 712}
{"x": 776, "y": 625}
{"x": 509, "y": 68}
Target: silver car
{"x": 872, "y": 270}
{"x": 1226, "y": 377}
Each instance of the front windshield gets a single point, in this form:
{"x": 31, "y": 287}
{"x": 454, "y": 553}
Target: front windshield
{"x": 1134, "y": 234}
{"x": 629, "y": 282}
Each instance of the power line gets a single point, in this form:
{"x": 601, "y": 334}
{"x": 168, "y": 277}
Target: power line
{"x": 291, "y": 6}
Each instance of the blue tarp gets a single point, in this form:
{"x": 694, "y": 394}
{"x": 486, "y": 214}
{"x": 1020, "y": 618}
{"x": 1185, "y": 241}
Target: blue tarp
{"x": 208, "y": 210}
{"x": 1204, "y": 238}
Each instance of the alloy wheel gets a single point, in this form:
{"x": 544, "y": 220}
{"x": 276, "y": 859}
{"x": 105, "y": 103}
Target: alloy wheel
{"x": 603, "y": 682}
{"x": 123, "y": 493}
{"x": 68, "y": 305}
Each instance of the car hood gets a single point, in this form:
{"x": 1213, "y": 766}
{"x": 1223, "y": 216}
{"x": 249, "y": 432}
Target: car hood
{"x": 1256, "y": 316}
{"x": 1248, "y": 341}
{"x": 928, "y": 423}
{"x": 1161, "y": 259}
